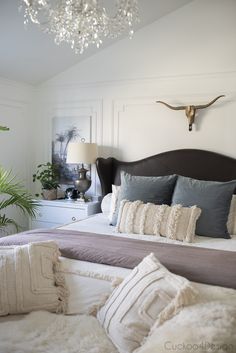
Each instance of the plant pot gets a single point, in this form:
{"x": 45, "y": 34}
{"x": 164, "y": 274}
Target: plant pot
{"x": 49, "y": 194}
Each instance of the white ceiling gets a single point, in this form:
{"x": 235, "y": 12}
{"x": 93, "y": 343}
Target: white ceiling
{"x": 31, "y": 56}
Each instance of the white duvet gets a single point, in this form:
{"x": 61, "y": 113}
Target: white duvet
{"x": 42, "y": 332}
{"x": 211, "y": 320}
{"x": 99, "y": 224}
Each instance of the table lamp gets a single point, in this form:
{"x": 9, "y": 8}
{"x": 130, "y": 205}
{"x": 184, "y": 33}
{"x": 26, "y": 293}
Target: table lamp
{"x": 82, "y": 153}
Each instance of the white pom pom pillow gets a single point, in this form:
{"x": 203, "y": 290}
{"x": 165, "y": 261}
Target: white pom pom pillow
{"x": 174, "y": 222}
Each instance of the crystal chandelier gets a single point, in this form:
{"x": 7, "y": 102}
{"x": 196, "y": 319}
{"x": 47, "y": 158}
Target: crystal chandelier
{"x": 80, "y": 22}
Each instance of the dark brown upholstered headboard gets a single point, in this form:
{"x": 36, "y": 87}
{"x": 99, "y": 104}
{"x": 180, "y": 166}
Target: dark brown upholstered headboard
{"x": 199, "y": 164}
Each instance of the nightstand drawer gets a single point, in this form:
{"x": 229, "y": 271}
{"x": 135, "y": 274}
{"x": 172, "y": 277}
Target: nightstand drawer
{"x": 60, "y": 215}
{"x": 56, "y": 213}
{"x": 39, "y": 224}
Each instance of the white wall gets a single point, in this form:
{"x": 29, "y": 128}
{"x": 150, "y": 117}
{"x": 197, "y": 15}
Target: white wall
{"x": 187, "y": 57}
{"x": 16, "y": 151}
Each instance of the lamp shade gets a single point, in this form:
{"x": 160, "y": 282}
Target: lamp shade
{"x": 81, "y": 152}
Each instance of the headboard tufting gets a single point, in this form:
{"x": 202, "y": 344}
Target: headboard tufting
{"x": 198, "y": 164}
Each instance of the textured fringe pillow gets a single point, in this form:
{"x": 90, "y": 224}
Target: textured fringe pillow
{"x": 29, "y": 279}
{"x": 174, "y": 222}
{"x": 146, "y": 298}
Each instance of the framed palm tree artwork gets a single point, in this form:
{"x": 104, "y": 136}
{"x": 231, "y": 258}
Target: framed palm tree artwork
{"x": 64, "y": 131}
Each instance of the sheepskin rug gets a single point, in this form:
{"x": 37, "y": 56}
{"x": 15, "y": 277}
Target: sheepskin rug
{"x": 200, "y": 328}
{"x": 43, "y": 332}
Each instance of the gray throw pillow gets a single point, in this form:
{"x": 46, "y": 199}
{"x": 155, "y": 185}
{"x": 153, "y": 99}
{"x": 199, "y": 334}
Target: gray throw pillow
{"x": 212, "y": 197}
{"x": 157, "y": 190}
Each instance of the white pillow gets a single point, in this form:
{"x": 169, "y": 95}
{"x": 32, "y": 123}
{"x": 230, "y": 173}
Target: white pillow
{"x": 29, "y": 279}
{"x": 198, "y": 328}
{"x": 114, "y": 201}
{"x": 174, "y": 222}
{"x": 110, "y": 202}
{"x": 232, "y": 217}
{"x": 106, "y": 204}
{"x": 149, "y": 295}
{"x": 89, "y": 285}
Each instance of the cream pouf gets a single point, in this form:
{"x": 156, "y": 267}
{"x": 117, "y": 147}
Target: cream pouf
{"x": 199, "y": 328}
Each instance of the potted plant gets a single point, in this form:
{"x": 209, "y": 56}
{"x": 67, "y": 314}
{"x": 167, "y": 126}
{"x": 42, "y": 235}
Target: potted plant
{"x": 4, "y": 128}
{"x": 13, "y": 193}
{"x": 47, "y": 175}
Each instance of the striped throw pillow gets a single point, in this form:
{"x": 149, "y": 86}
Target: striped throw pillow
{"x": 146, "y": 298}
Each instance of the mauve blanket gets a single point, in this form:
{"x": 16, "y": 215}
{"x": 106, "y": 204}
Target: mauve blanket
{"x": 216, "y": 267}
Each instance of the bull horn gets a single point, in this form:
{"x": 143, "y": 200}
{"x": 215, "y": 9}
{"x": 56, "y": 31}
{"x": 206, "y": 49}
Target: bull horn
{"x": 181, "y": 107}
{"x": 208, "y": 104}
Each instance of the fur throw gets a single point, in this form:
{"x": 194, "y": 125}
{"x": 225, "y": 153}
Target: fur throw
{"x": 199, "y": 328}
{"x": 43, "y": 332}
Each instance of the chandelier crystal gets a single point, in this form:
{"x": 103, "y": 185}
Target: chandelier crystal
{"x": 80, "y": 22}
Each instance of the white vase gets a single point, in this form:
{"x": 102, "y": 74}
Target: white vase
{"x": 49, "y": 194}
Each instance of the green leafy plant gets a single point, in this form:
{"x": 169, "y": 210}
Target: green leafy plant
{"x": 13, "y": 193}
{"x": 4, "y": 128}
{"x": 47, "y": 175}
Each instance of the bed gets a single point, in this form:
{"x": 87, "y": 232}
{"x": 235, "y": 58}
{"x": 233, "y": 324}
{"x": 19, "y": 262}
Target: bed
{"x": 192, "y": 163}
{"x": 209, "y": 263}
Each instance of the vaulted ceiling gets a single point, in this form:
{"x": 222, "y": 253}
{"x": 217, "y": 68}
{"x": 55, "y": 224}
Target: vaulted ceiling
{"x": 31, "y": 56}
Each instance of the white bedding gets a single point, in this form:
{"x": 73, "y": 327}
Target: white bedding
{"x": 206, "y": 292}
{"x": 99, "y": 224}
{"x": 88, "y": 282}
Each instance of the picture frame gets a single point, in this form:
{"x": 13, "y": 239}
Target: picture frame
{"x": 66, "y": 129}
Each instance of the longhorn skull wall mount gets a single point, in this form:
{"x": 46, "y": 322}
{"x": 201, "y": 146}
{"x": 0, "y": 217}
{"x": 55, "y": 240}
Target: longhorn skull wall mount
{"x": 190, "y": 110}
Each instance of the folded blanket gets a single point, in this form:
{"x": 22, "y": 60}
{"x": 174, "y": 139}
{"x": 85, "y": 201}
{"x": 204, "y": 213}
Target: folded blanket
{"x": 209, "y": 266}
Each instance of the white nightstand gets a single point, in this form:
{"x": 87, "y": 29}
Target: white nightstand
{"x": 55, "y": 213}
